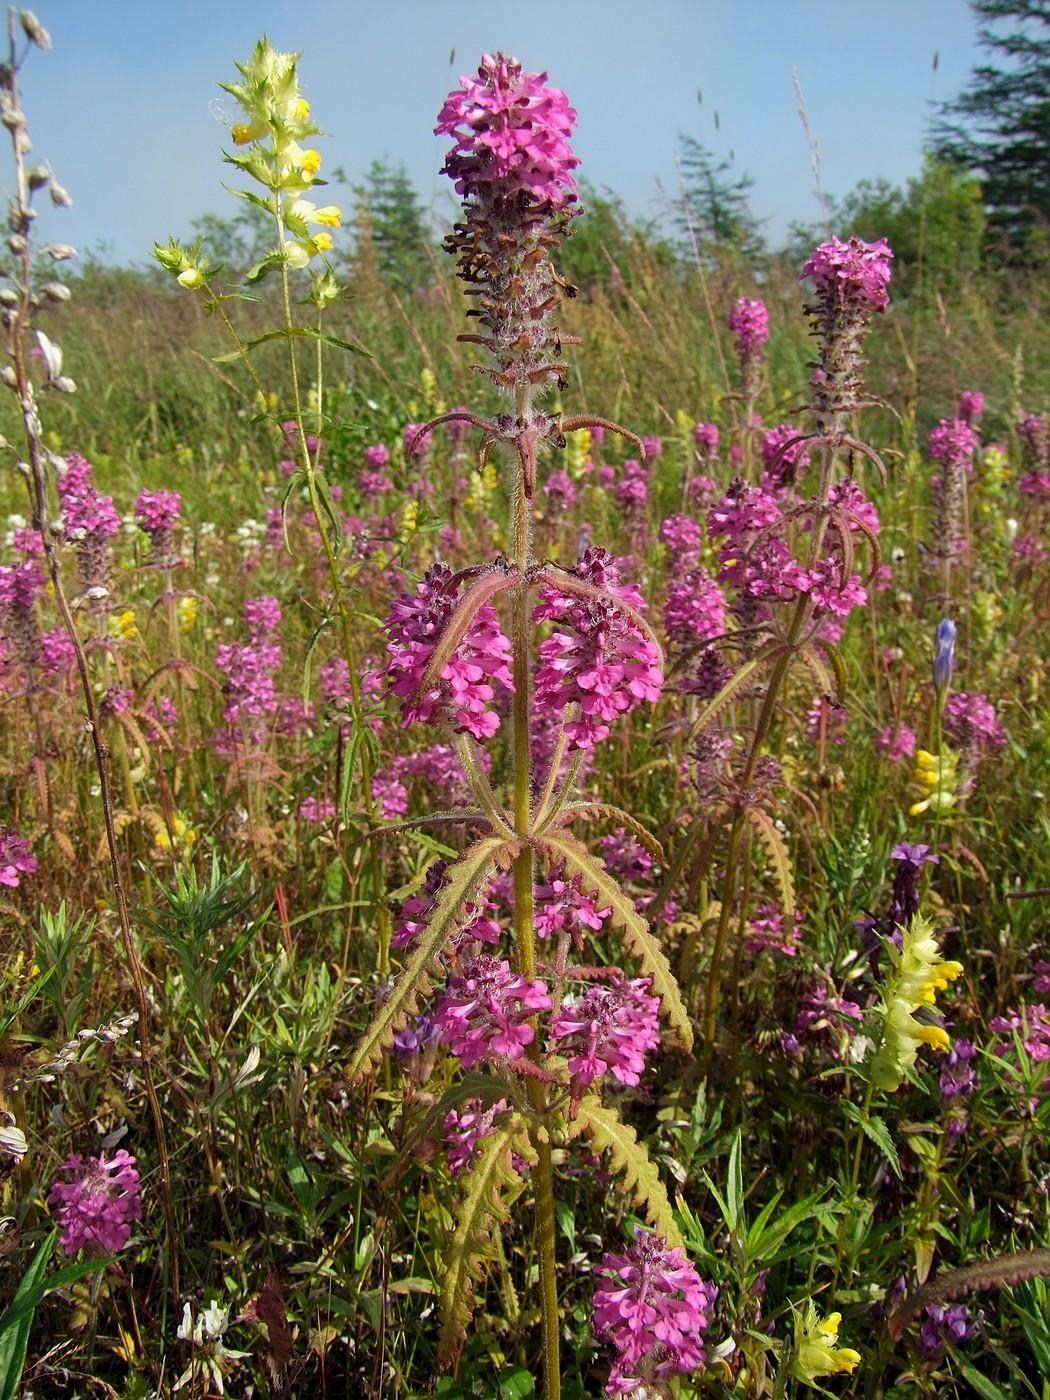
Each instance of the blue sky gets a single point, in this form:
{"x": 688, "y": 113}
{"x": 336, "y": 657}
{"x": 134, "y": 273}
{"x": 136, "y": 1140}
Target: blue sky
{"x": 123, "y": 105}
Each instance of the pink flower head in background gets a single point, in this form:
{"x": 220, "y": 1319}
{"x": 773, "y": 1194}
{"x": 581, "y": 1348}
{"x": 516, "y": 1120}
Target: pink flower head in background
{"x": 654, "y": 1308}
{"x": 852, "y": 273}
{"x": 749, "y": 322}
{"x": 953, "y": 440}
{"x": 16, "y": 859}
{"x": 511, "y": 134}
{"x": 94, "y": 1211}
{"x": 157, "y": 510}
{"x": 971, "y": 406}
{"x": 705, "y": 438}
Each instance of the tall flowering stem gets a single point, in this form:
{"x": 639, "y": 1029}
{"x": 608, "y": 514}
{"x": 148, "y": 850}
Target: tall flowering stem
{"x": 18, "y": 318}
{"x": 512, "y": 165}
{"x": 544, "y": 1046}
{"x": 787, "y": 599}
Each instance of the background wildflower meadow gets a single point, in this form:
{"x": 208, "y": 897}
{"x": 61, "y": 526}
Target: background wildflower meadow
{"x": 524, "y": 856}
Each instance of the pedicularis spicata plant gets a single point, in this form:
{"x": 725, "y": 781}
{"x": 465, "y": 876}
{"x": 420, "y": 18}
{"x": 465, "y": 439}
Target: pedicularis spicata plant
{"x": 562, "y": 653}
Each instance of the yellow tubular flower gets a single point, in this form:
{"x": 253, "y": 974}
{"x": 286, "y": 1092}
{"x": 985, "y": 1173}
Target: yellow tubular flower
{"x": 918, "y": 973}
{"x": 817, "y": 1352}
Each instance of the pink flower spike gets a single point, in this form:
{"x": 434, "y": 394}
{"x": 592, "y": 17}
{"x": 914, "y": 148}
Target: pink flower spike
{"x": 95, "y": 1210}
{"x": 853, "y": 273}
{"x": 511, "y": 135}
{"x": 654, "y": 1308}
{"x": 485, "y": 1011}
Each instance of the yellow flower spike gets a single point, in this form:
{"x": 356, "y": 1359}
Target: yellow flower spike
{"x": 917, "y": 973}
{"x": 123, "y": 626}
{"x": 186, "y": 612}
{"x": 816, "y": 1352}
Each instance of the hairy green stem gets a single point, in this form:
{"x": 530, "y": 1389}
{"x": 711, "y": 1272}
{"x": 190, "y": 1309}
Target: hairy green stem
{"x": 525, "y": 933}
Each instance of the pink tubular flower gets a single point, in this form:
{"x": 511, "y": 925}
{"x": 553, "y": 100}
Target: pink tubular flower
{"x": 562, "y": 907}
{"x": 511, "y": 135}
{"x": 484, "y": 1012}
{"x": 852, "y": 272}
{"x": 599, "y": 658}
{"x": 749, "y": 322}
{"x": 608, "y": 1030}
{"x": 466, "y": 685}
{"x": 95, "y": 1210}
{"x": 16, "y": 859}
{"x": 953, "y": 440}
{"x": 654, "y": 1308}
{"x": 466, "y": 1129}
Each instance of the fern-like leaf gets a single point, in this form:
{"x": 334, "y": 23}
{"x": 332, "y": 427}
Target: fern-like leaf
{"x": 736, "y": 685}
{"x": 492, "y": 1185}
{"x": 462, "y": 882}
{"x": 638, "y": 937}
{"x": 630, "y": 1159}
{"x": 598, "y": 810}
{"x": 779, "y": 860}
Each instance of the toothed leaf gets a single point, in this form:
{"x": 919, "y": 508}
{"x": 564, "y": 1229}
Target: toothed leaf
{"x": 491, "y": 1185}
{"x": 462, "y": 882}
{"x": 630, "y": 1159}
{"x": 638, "y": 937}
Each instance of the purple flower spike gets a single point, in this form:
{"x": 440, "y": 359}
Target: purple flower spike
{"x": 654, "y": 1308}
{"x": 853, "y": 272}
{"x": 608, "y": 1030}
{"x": 749, "y": 322}
{"x": 484, "y": 1013}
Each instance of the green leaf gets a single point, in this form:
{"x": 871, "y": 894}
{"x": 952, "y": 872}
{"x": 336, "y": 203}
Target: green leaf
{"x": 776, "y": 852}
{"x": 516, "y": 1384}
{"x": 462, "y": 882}
{"x": 874, "y": 1128}
{"x": 17, "y": 1320}
{"x": 985, "y": 1388}
{"x": 492, "y": 1185}
{"x": 630, "y": 1158}
{"x": 638, "y": 938}
{"x": 748, "y": 673}
{"x": 735, "y": 1185}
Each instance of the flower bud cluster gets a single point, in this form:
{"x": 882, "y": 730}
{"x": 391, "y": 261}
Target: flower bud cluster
{"x": 850, "y": 279}
{"x": 513, "y": 167}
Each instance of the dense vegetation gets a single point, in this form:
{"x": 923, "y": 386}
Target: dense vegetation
{"x": 826, "y": 846}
